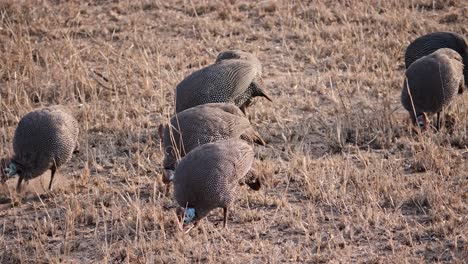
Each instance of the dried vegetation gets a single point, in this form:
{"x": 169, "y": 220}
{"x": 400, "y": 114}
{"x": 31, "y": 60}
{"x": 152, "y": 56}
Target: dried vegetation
{"x": 345, "y": 180}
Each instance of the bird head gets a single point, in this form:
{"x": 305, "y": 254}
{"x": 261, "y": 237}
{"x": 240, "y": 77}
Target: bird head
{"x": 252, "y": 180}
{"x": 422, "y": 121}
{"x": 188, "y": 214}
{"x": 8, "y": 169}
{"x": 258, "y": 91}
{"x": 168, "y": 176}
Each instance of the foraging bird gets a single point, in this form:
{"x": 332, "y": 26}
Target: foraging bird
{"x": 44, "y": 139}
{"x": 431, "y": 42}
{"x": 200, "y": 125}
{"x": 208, "y": 176}
{"x": 233, "y": 78}
{"x": 431, "y": 84}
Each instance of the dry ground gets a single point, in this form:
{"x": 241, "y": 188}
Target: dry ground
{"x": 345, "y": 180}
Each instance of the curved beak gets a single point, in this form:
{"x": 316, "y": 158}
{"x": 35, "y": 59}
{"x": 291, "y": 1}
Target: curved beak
{"x": 258, "y": 91}
{"x": 263, "y": 94}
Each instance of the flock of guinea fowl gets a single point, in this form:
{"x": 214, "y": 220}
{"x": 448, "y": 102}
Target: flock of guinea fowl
{"x": 208, "y": 142}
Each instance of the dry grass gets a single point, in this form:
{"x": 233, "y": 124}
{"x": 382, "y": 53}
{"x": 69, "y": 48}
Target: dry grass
{"x": 345, "y": 180}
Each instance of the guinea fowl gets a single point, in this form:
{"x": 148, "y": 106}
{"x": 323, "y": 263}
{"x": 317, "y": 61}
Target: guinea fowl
{"x": 208, "y": 177}
{"x": 431, "y": 84}
{"x": 44, "y": 140}
{"x": 233, "y": 78}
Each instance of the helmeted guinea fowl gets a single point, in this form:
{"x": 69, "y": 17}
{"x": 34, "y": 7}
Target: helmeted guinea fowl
{"x": 233, "y": 78}
{"x": 431, "y": 83}
{"x": 431, "y": 42}
{"x": 208, "y": 176}
{"x": 200, "y": 125}
{"x": 44, "y": 140}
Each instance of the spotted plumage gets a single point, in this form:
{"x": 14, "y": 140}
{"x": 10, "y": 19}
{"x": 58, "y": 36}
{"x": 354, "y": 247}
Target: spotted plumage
{"x": 233, "y": 78}
{"x": 200, "y": 125}
{"x": 44, "y": 140}
{"x": 431, "y": 42}
{"x": 208, "y": 176}
{"x": 431, "y": 83}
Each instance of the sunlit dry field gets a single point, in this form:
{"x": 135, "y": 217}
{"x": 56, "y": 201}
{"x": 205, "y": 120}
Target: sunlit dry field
{"x": 344, "y": 177}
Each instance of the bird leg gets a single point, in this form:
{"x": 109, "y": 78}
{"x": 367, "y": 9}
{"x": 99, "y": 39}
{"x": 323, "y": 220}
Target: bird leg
{"x": 161, "y": 129}
{"x": 438, "y": 121}
{"x": 167, "y": 178}
{"x": 52, "y": 174}
{"x": 18, "y": 185}
{"x": 462, "y": 85}
{"x": 225, "y": 213}
{"x": 77, "y": 148}
{"x": 244, "y": 106}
